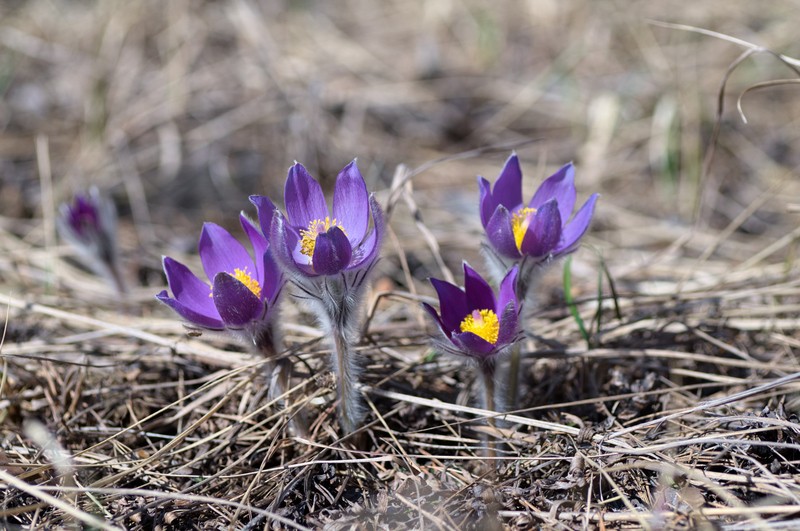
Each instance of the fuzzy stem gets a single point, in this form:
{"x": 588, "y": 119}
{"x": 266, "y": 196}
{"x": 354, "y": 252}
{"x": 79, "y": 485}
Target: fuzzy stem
{"x": 265, "y": 345}
{"x": 350, "y": 412}
{"x": 487, "y": 370}
{"x": 513, "y": 377}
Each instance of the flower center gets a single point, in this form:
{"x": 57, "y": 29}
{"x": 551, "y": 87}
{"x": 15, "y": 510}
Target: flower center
{"x": 482, "y": 323}
{"x": 519, "y": 224}
{"x": 244, "y": 277}
{"x": 309, "y": 236}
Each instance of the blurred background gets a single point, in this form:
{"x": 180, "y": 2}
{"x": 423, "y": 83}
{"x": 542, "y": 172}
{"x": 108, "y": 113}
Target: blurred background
{"x": 181, "y": 109}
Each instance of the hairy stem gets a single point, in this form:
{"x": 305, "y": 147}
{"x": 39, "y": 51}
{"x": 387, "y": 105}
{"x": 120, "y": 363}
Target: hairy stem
{"x": 350, "y": 410}
{"x": 281, "y": 369}
{"x": 487, "y": 370}
{"x": 513, "y": 377}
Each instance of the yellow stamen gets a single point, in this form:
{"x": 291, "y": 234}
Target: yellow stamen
{"x": 244, "y": 277}
{"x": 309, "y": 236}
{"x": 483, "y": 323}
{"x": 519, "y": 224}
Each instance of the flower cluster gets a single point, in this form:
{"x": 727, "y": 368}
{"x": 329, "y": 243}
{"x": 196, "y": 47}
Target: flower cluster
{"x": 327, "y": 257}
{"x": 521, "y": 238}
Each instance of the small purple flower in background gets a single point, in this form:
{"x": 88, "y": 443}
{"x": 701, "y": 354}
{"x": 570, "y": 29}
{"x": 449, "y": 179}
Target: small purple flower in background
{"x": 328, "y": 256}
{"x": 89, "y": 224}
{"x": 477, "y": 324}
{"x": 539, "y": 231}
{"x": 242, "y": 292}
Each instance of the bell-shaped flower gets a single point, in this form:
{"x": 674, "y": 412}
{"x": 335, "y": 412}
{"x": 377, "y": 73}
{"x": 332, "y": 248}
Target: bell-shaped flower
{"x": 242, "y": 291}
{"x": 312, "y": 241}
{"x": 89, "y": 225}
{"x": 474, "y": 321}
{"x": 328, "y": 256}
{"x": 540, "y": 230}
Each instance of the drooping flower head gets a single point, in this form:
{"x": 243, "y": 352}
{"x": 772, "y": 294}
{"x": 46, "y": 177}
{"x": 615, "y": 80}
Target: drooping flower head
{"x": 89, "y": 224}
{"x": 475, "y": 322}
{"x": 540, "y": 230}
{"x": 242, "y": 292}
{"x": 311, "y": 240}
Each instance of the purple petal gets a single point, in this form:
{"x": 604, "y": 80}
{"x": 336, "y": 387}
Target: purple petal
{"x": 273, "y": 278}
{"x": 365, "y": 253}
{"x": 332, "y": 252}
{"x": 480, "y": 295}
{"x": 259, "y": 243}
{"x": 508, "y": 188}
{"x": 203, "y": 321}
{"x": 283, "y": 241}
{"x": 351, "y": 203}
{"x": 500, "y": 235}
{"x": 509, "y": 319}
{"x": 508, "y": 289}
{"x": 561, "y": 187}
{"x": 428, "y": 308}
{"x": 236, "y": 304}
{"x": 303, "y": 197}
{"x": 544, "y": 231}
{"x": 221, "y": 252}
{"x": 188, "y": 290}
{"x": 266, "y": 211}
{"x": 473, "y": 345}
{"x": 487, "y": 203}
{"x": 452, "y": 303}
{"x": 576, "y": 228}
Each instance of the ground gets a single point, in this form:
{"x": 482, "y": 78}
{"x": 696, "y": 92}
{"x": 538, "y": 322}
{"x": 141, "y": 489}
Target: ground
{"x": 676, "y": 406}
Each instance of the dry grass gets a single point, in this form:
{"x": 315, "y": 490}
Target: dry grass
{"x": 682, "y": 414}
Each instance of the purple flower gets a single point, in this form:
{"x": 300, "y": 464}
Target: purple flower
{"x": 540, "y": 230}
{"x": 309, "y": 241}
{"x": 474, "y": 321}
{"x": 328, "y": 256}
{"x": 242, "y": 292}
{"x": 89, "y": 224}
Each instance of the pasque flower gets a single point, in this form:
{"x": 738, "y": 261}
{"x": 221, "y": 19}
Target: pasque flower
{"x": 311, "y": 241}
{"x": 89, "y": 224}
{"x": 540, "y": 230}
{"x": 530, "y": 235}
{"x": 328, "y": 255}
{"x": 242, "y": 292}
{"x": 474, "y": 321}
{"x": 241, "y": 298}
{"x": 480, "y": 325}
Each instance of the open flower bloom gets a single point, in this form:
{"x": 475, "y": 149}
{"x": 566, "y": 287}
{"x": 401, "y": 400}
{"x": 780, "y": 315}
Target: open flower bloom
{"x": 541, "y": 229}
{"x": 242, "y": 292}
{"x": 476, "y": 323}
{"x": 311, "y": 240}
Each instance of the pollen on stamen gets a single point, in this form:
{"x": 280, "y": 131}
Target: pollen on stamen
{"x": 520, "y": 221}
{"x": 482, "y": 323}
{"x": 244, "y": 277}
{"x": 308, "y": 236}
